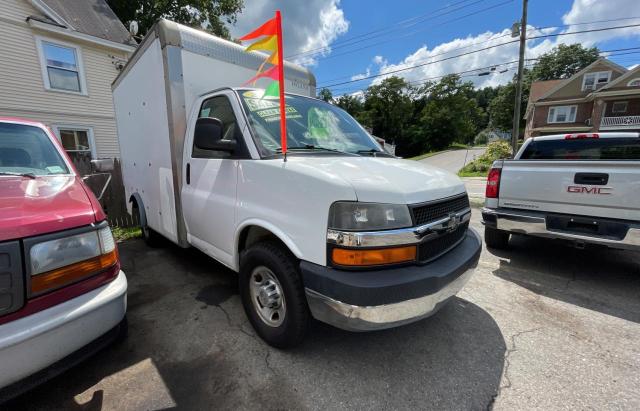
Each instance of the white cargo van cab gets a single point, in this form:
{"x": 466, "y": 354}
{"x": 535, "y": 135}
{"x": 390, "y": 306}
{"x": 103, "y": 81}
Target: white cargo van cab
{"x": 340, "y": 231}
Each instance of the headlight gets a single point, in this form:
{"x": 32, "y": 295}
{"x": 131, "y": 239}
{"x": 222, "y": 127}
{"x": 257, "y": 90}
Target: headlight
{"x": 355, "y": 216}
{"x": 64, "y": 260}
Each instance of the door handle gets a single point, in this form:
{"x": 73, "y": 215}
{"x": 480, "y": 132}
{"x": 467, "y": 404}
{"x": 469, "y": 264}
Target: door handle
{"x": 188, "y": 173}
{"x": 596, "y": 179}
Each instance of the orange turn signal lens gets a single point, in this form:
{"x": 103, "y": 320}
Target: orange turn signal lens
{"x": 59, "y": 277}
{"x": 380, "y": 256}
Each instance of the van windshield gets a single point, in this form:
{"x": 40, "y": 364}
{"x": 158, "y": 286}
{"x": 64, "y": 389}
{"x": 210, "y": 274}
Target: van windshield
{"x": 27, "y": 150}
{"x": 311, "y": 125}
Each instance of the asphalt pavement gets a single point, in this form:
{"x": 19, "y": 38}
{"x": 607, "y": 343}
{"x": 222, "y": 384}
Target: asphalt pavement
{"x": 453, "y": 161}
{"x": 540, "y": 326}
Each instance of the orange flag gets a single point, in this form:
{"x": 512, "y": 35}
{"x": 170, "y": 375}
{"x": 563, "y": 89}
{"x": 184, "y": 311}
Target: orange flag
{"x": 272, "y": 29}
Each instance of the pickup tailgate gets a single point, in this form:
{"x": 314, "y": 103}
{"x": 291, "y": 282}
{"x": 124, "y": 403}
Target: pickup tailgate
{"x": 598, "y": 178}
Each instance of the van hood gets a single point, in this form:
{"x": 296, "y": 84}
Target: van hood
{"x": 42, "y": 205}
{"x": 383, "y": 179}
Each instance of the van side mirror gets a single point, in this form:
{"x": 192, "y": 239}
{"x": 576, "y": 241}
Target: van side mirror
{"x": 208, "y": 135}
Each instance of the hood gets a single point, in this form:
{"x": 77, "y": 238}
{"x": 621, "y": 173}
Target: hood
{"x": 382, "y": 179}
{"x": 42, "y": 205}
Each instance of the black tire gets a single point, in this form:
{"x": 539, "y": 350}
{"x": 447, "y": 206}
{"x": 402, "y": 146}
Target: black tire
{"x": 279, "y": 260}
{"x": 495, "y": 238}
{"x": 150, "y": 237}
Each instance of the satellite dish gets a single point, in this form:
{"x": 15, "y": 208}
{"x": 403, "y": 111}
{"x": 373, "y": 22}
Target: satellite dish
{"x": 133, "y": 27}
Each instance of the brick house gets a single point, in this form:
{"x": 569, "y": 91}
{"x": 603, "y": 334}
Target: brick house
{"x": 602, "y": 97}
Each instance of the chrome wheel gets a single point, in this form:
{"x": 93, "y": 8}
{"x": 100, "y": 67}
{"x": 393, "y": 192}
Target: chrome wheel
{"x": 267, "y": 296}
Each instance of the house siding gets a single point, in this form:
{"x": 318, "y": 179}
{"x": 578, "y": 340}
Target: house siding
{"x": 22, "y": 89}
{"x": 573, "y": 89}
{"x": 633, "y": 107}
{"x": 582, "y": 114}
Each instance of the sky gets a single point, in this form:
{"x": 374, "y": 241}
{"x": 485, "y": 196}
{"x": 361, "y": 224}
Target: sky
{"x": 345, "y": 40}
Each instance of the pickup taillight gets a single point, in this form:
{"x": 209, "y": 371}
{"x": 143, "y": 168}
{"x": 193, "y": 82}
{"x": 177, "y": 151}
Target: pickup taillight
{"x": 493, "y": 183}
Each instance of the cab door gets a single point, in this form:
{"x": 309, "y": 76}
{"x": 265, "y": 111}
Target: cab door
{"x": 209, "y": 189}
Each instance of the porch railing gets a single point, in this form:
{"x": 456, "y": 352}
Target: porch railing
{"x": 620, "y": 122}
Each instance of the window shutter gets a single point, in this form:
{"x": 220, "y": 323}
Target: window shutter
{"x": 550, "y": 117}
{"x": 572, "y": 114}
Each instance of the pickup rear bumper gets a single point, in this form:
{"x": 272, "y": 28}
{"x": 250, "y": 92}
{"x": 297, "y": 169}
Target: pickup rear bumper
{"x": 385, "y": 298}
{"x": 540, "y": 224}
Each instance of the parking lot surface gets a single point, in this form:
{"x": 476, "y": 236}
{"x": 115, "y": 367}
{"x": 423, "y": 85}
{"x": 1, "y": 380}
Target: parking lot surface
{"x": 541, "y": 326}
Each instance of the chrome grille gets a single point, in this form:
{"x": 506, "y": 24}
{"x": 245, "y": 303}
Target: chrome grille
{"x": 432, "y": 249}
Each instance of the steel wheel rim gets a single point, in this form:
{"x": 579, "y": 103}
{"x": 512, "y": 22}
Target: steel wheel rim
{"x": 267, "y": 296}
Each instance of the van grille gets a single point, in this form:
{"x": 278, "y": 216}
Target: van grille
{"x": 11, "y": 278}
{"x": 426, "y": 213}
{"x": 431, "y": 250}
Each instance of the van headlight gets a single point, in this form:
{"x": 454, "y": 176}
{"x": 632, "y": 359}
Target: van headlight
{"x": 65, "y": 260}
{"x": 356, "y": 216}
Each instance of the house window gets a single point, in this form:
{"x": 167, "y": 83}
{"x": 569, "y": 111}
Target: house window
{"x": 619, "y": 107}
{"x": 562, "y": 114}
{"x": 76, "y": 141}
{"x": 591, "y": 81}
{"x": 61, "y": 66}
{"x": 634, "y": 83}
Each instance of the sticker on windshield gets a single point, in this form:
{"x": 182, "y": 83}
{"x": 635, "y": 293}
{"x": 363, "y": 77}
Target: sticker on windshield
{"x": 319, "y": 123}
{"x": 205, "y": 112}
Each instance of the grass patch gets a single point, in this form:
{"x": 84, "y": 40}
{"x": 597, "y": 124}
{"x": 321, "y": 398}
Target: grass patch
{"x": 122, "y": 234}
{"x": 465, "y": 173}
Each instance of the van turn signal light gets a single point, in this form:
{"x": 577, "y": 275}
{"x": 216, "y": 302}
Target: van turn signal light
{"x": 371, "y": 257}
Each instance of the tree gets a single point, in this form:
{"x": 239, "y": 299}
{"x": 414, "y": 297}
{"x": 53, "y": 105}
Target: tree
{"x": 388, "y": 109}
{"x": 450, "y": 114}
{"x": 563, "y": 62}
{"x": 351, "y": 104}
{"x": 209, "y": 15}
{"x": 325, "y": 95}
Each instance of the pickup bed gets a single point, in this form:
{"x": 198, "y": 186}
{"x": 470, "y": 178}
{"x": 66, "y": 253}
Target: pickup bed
{"x": 584, "y": 188}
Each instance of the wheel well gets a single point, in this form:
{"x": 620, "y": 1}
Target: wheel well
{"x": 253, "y": 234}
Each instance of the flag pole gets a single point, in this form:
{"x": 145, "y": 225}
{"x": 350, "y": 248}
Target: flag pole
{"x": 283, "y": 118}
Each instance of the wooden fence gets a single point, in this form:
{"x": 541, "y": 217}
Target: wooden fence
{"x": 113, "y": 200}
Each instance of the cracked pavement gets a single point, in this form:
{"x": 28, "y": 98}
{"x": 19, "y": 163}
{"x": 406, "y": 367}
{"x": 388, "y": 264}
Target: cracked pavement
{"x": 540, "y": 326}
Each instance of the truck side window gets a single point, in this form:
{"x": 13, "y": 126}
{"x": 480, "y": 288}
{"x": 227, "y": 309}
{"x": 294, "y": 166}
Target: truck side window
{"x": 219, "y": 107}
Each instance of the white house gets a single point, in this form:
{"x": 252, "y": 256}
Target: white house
{"x": 59, "y": 58}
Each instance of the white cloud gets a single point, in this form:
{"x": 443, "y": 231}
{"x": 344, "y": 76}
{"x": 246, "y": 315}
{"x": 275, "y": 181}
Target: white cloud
{"x": 360, "y": 76}
{"x": 581, "y": 11}
{"x": 307, "y": 25}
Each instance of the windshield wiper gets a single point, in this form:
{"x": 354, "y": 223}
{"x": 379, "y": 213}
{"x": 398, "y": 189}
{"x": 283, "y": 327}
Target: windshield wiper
{"x": 10, "y": 173}
{"x": 319, "y": 148}
{"x": 374, "y": 152}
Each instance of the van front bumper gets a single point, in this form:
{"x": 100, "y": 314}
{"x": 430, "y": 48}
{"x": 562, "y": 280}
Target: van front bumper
{"x": 33, "y": 343}
{"x": 536, "y": 223}
{"x": 386, "y": 298}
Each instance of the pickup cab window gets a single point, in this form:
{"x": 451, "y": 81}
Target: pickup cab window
{"x": 587, "y": 149}
{"x": 28, "y": 150}
{"x": 311, "y": 124}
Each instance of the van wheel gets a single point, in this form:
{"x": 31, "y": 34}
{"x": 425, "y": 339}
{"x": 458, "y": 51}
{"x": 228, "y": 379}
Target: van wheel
{"x": 495, "y": 238}
{"x": 150, "y": 237}
{"x": 272, "y": 294}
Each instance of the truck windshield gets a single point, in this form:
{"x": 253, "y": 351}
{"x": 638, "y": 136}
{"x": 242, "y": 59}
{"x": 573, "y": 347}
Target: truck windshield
{"x": 27, "y": 150}
{"x": 311, "y": 125}
{"x": 587, "y": 149}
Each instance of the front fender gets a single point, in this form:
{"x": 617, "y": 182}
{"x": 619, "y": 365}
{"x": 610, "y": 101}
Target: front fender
{"x": 291, "y": 245}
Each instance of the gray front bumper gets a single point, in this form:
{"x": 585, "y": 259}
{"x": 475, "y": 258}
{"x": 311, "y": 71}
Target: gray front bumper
{"x": 535, "y": 224}
{"x": 369, "y": 300}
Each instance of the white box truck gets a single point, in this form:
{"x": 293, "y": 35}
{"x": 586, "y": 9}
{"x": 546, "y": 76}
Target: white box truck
{"x": 341, "y": 231}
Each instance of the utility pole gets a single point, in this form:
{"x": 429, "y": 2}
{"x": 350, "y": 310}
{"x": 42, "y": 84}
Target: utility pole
{"x": 516, "y": 108}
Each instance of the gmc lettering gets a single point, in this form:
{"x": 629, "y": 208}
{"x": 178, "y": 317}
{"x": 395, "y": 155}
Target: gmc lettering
{"x": 589, "y": 190}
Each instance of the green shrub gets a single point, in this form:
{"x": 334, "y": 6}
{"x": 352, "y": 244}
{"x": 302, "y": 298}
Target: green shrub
{"x": 495, "y": 151}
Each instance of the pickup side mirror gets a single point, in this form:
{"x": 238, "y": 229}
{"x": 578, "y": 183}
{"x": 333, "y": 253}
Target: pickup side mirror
{"x": 102, "y": 165}
{"x": 208, "y": 135}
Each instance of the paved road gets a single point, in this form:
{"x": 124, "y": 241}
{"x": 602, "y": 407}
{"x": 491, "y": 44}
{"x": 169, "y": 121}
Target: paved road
{"x": 538, "y": 327}
{"x": 454, "y": 160}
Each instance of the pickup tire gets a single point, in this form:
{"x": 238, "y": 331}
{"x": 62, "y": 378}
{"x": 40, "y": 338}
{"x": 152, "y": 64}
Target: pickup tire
{"x": 495, "y": 238}
{"x": 269, "y": 266}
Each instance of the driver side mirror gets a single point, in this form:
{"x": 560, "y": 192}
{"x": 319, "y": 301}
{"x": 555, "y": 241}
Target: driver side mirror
{"x": 208, "y": 135}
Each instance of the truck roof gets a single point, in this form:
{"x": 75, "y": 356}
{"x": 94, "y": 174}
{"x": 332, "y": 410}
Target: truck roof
{"x": 571, "y": 136}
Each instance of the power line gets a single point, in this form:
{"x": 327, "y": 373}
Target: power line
{"x": 411, "y": 22}
{"x": 530, "y": 62}
{"x": 479, "y": 50}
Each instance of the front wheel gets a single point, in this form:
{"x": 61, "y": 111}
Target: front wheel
{"x": 150, "y": 237}
{"x": 495, "y": 238}
{"x": 273, "y": 295}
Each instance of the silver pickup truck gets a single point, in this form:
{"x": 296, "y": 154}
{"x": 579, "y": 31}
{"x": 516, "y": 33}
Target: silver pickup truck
{"x": 583, "y": 188}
